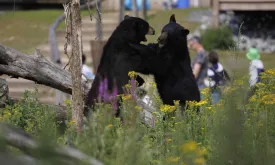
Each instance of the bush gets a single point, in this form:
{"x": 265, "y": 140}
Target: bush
{"x": 217, "y": 38}
{"x": 227, "y": 133}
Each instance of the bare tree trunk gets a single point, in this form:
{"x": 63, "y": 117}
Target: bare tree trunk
{"x": 75, "y": 65}
{"x": 134, "y": 8}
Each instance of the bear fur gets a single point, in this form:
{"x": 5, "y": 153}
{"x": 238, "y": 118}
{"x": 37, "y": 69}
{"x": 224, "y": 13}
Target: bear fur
{"x": 118, "y": 59}
{"x": 171, "y": 65}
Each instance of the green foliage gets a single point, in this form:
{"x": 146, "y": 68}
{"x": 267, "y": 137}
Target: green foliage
{"x": 227, "y": 133}
{"x": 217, "y": 38}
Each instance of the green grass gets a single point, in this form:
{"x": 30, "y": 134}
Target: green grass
{"x": 24, "y": 30}
{"x": 234, "y": 61}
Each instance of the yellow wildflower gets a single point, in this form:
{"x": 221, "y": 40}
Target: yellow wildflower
{"x": 176, "y": 102}
{"x": 126, "y": 97}
{"x": 202, "y": 102}
{"x": 189, "y": 146}
{"x": 268, "y": 99}
{"x": 173, "y": 159}
{"x": 199, "y": 161}
{"x": 127, "y": 86}
{"x": 271, "y": 72}
{"x": 132, "y": 74}
{"x": 205, "y": 91}
{"x": 167, "y": 108}
{"x": 202, "y": 151}
{"x": 72, "y": 122}
{"x": 110, "y": 126}
{"x": 138, "y": 108}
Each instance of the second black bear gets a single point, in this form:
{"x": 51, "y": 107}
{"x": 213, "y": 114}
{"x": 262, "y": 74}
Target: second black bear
{"x": 171, "y": 65}
{"x": 117, "y": 60}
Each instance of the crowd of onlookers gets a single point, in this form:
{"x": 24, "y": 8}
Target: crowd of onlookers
{"x": 208, "y": 71}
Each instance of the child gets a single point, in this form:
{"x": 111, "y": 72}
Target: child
{"x": 256, "y": 67}
{"x": 217, "y": 77}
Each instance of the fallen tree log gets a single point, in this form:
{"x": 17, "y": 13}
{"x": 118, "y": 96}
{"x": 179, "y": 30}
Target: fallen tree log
{"x": 24, "y": 142}
{"x": 36, "y": 68}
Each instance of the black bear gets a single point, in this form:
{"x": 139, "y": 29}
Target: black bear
{"x": 170, "y": 63}
{"x": 117, "y": 60}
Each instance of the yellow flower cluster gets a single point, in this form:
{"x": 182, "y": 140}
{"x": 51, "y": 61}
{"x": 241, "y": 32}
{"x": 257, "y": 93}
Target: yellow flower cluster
{"x": 268, "y": 99}
{"x": 167, "y": 108}
{"x": 126, "y": 97}
{"x": 205, "y": 91}
{"x": 72, "y": 122}
{"x": 110, "y": 126}
{"x": 132, "y": 74}
{"x": 271, "y": 72}
{"x": 190, "y": 146}
{"x": 195, "y": 103}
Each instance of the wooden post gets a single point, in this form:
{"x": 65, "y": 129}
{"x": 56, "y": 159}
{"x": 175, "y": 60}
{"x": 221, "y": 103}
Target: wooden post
{"x": 144, "y": 9}
{"x": 98, "y": 23}
{"x": 76, "y": 65}
{"x": 121, "y": 13}
{"x": 216, "y": 13}
{"x": 134, "y": 8}
{"x": 97, "y": 47}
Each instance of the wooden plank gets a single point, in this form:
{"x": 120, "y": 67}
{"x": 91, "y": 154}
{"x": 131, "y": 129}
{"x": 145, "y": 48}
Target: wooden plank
{"x": 96, "y": 48}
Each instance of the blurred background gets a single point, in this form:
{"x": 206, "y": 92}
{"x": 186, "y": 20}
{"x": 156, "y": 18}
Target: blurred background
{"x": 229, "y": 26}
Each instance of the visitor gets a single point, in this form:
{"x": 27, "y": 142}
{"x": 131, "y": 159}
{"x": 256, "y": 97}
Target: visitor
{"x": 256, "y": 67}
{"x": 86, "y": 70}
{"x": 200, "y": 61}
{"x": 217, "y": 77}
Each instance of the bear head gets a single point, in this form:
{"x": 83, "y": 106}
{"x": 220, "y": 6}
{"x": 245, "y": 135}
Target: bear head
{"x": 135, "y": 29}
{"x": 173, "y": 34}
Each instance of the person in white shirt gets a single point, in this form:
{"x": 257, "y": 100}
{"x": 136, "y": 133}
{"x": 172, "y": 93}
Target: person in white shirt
{"x": 86, "y": 70}
{"x": 256, "y": 67}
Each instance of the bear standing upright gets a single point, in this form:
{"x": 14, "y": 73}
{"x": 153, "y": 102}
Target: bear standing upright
{"x": 118, "y": 59}
{"x": 171, "y": 65}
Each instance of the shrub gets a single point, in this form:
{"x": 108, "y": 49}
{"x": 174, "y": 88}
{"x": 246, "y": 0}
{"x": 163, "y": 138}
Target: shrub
{"x": 217, "y": 38}
{"x": 227, "y": 133}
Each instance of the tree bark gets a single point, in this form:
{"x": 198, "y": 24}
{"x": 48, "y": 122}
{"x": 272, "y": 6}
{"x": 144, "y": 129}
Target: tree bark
{"x": 37, "y": 69}
{"x": 25, "y": 142}
{"x": 75, "y": 65}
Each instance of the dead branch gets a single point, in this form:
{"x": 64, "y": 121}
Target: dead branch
{"x": 37, "y": 69}
{"x": 24, "y": 142}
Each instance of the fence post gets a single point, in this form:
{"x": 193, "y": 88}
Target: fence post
{"x": 134, "y": 8}
{"x": 144, "y": 9}
{"x": 121, "y": 11}
{"x": 98, "y": 23}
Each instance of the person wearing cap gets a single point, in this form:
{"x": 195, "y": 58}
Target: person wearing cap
{"x": 256, "y": 67}
{"x": 200, "y": 61}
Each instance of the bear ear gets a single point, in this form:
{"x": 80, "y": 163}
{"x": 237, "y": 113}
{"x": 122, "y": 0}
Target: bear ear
{"x": 172, "y": 18}
{"x": 185, "y": 31}
{"x": 126, "y": 17}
